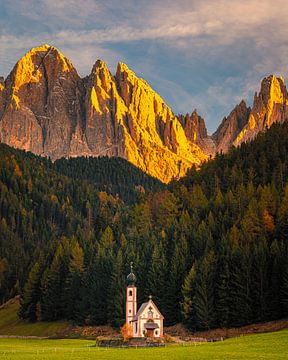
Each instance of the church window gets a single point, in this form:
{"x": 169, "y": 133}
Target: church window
{"x": 156, "y": 332}
{"x": 130, "y": 292}
{"x": 130, "y": 311}
{"x": 150, "y": 313}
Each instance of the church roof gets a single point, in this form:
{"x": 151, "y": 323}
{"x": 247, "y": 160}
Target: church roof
{"x": 143, "y": 307}
{"x": 131, "y": 278}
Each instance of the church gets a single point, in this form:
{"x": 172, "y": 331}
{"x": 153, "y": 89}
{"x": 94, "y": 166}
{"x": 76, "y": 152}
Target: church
{"x": 148, "y": 320}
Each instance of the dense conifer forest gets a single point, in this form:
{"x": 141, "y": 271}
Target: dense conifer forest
{"x": 211, "y": 248}
{"x": 115, "y": 176}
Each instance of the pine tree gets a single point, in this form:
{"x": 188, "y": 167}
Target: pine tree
{"x": 178, "y": 270}
{"x": 53, "y": 304}
{"x": 239, "y": 288}
{"x": 274, "y": 269}
{"x": 101, "y": 277}
{"x": 282, "y": 229}
{"x": 31, "y": 295}
{"x": 74, "y": 284}
{"x": 222, "y": 286}
{"x": 259, "y": 281}
{"x": 204, "y": 293}
{"x": 116, "y": 293}
{"x": 157, "y": 276}
{"x": 188, "y": 293}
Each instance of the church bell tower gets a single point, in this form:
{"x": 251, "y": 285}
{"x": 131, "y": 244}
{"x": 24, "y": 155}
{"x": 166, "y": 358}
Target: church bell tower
{"x": 131, "y": 296}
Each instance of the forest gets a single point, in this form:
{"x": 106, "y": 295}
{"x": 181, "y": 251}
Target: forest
{"x": 211, "y": 248}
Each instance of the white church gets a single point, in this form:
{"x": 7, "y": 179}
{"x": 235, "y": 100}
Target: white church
{"x": 148, "y": 320}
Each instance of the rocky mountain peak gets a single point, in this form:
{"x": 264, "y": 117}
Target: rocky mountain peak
{"x": 196, "y": 131}
{"x": 100, "y": 78}
{"x": 272, "y": 89}
{"x": 269, "y": 107}
{"x": 231, "y": 126}
{"x": 100, "y": 67}
{"x": 40, "y": 102}
{"x": 46, "y": 108}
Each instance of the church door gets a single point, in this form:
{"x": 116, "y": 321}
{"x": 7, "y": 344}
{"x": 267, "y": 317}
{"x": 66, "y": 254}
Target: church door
{"x": 150, "y": 332}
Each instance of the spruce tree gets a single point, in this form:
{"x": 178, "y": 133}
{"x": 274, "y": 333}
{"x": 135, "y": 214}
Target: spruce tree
{"x": 188, "y": 293}
{"x": 222, "y": 286}
{"x": 31, "y": 295}
{"x": 116, "y": 293}
{"x": 204, "y": 293}
{"x": 74, "y": 284}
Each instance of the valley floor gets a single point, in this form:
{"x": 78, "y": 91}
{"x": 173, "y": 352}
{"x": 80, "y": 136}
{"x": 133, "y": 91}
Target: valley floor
{"x": 261, "y": 346}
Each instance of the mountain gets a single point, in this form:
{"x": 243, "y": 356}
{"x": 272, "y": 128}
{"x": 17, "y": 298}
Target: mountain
{"x": 230, "y": 127}
{"x": 269, "y": 107}
{"x": 47, "y": 108}
{"x": 195, "y": 130}
{"x": 243, "y": 123}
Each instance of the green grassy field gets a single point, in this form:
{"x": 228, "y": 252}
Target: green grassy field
{"x": 264, "y": 346}
{"x": 10, "y": 324}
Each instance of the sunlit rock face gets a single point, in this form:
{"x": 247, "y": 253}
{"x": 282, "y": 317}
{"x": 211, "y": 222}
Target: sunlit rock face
{"x": 196, "y": 131}
{"x": 243, "y": 123}
{"x": 45, "y": 107}
{"x": 230, "y": 127}
{"x": 155, "y": 139}
{"x": 40, "y": 103}
{"x": 269, "y": 107}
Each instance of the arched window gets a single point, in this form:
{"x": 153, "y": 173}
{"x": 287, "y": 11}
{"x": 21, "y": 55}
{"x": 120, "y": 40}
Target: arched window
{"x": 130, "y": 292}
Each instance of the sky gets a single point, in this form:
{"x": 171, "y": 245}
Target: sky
{"x": 197, "y": 54}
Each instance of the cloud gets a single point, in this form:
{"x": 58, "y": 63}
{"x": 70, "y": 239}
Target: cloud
{"x": 224, "y": 21}
{"x": 59, "y": 13}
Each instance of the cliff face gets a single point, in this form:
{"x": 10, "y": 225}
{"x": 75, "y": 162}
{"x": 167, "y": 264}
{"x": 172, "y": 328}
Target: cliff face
{"x": 269, "y": 107}
{"x": 46, "y": 108}
{"x": 243, "y": 123}
{"x": 195, "y": 130}
{"x": 230, "y": 127}
{"x": 40, "y": 103}
{"x": 155, "y": 141}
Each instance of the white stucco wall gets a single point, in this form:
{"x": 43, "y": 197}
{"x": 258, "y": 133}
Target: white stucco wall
{"x": 131, "y": 303}
{"x": 157, "y": 319}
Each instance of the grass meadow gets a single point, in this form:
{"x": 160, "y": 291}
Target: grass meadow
{"x": 261, "y": 346}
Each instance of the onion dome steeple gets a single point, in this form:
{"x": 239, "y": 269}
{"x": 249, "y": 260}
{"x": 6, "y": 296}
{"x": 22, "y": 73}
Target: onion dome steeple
{"x": 131, "y": 278}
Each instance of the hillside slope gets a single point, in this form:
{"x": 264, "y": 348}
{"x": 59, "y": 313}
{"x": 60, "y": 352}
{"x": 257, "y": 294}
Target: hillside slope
{"x": 211, "y": 248}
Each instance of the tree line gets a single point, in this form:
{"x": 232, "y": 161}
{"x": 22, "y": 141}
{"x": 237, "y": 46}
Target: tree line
{"x": 211, "y": 248}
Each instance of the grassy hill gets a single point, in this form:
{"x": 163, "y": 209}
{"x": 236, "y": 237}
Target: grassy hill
{"x": 10, "y": 324}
